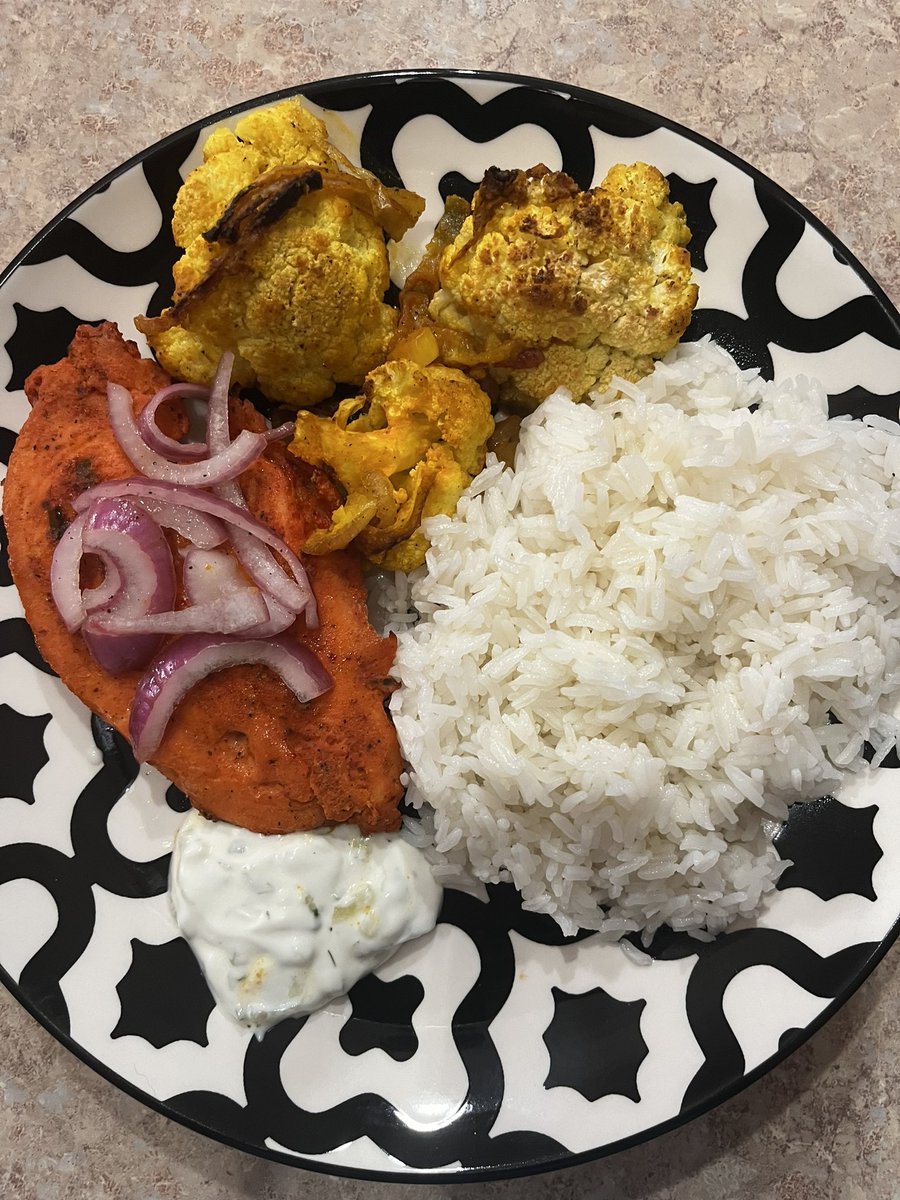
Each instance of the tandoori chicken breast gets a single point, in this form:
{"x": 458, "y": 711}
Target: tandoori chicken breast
{"x": 239, "y": 744}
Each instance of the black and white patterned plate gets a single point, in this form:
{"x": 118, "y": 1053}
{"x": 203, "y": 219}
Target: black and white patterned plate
{"x": 494, "y": 1046}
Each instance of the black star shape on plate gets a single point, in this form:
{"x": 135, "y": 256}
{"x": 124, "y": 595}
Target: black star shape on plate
{"x": 164, "y": 996}
{"x": 455, "y": 184}
{"x": 39, "y": 337}
{"x": 382, "y": 1017}
{"x": 176, "y": 799}
{"x": 832, "y": 848}
{"x": 580, "y": 1060}
{"x": 695, "y": 197}
{"x": 21, "y": 768}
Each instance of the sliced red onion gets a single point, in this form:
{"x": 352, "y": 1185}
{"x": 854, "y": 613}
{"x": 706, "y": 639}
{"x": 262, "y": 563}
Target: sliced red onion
{"x": 256, "y": 560}
{"x": 65, "y": 577}
{"x": 128, "y": 538}
{"x": 261, "y": 566}
{"x": 293, "y": 593}
{"x": 123, "y": 533}
{"x": 280, "y": 432}
{"x": 236, "y": 612}
{"x": 208, "y": 574}
{"x": 116, "y": 653}
{"x": 203, "y": 531}
{"x": 218, "y": 433}
{"x": 125, "y": 619}
{"x": 160, "y": 442}
{"x": 103, "y": 593}
{"x": 134, "y": 554}
{"x": 227, "y": 464}
{"x": 192, "y": 658}
{"x": 278, "y": 620}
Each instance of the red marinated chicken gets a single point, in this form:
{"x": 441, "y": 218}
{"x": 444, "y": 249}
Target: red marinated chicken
{"x": 239, "y": 745}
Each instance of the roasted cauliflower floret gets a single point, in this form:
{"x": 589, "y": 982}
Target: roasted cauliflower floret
{"x": 546, "y": 286}
{"x": 286, "y": 135}
{"x": 405, "y": 450}
{"x": 284, "y": 261}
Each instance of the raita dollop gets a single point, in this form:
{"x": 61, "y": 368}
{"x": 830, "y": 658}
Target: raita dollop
{"x": 282, "y": 923}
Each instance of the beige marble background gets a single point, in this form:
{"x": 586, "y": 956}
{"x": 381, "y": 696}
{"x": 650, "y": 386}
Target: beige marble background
{"x": 807, "y": 90}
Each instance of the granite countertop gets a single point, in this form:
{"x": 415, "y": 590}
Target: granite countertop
{"x": 806, "y": 90}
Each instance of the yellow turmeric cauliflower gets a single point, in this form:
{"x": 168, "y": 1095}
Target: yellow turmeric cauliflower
{"x": 284, "y": 261}
{"x": 405, "y": 450}
{"x": 546, "y": 286}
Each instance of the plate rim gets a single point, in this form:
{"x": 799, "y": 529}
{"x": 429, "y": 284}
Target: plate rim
{"x": 467, "y": 1174}
{"x": 534, "y": 82}
{"x": 880, "y": 949}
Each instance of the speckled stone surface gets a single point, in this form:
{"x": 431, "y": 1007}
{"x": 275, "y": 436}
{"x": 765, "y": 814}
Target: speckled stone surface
{"x": 807, "y": 90}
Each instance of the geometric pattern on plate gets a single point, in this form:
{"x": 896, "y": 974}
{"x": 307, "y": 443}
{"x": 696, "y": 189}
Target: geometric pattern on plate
{"x": 460, "y": 1058}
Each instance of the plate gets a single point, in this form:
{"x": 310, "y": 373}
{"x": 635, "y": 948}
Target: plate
{"x": 495, "y": 1046}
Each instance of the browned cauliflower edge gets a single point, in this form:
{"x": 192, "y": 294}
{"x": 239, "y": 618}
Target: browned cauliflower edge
{"x": 546, "y": 286}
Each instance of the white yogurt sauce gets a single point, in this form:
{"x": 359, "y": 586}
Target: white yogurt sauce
{"x": 282, "y": 923}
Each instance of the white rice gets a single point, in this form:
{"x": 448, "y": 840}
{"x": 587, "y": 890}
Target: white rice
{"x": 674, "y": 618}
